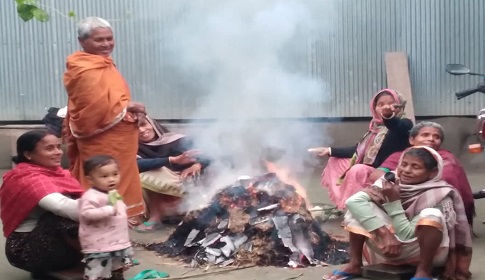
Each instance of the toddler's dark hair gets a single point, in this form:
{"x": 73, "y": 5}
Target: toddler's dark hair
{"x": 97, "y": 161}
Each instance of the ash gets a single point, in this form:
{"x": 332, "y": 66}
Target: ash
{"x": 259, "y": 220}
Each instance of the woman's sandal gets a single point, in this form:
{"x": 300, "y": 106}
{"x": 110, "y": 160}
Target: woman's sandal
{"x": 148, "y": 227}
{"x": 342, "y": 274}
{"x": 150, "y": 274}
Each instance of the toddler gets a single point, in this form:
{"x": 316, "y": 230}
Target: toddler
{"x": 103, "y": 226}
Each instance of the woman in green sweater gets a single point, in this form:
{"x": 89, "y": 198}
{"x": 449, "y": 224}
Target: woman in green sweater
{"x": 418, "y": 219}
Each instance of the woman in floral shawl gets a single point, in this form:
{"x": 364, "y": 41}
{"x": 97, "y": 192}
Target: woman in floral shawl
{"x": 416, "y": 219}
{"x": 388, "y": 133}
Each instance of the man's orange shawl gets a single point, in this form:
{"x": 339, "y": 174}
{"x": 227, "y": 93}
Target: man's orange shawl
{"x": 98, "y": 96}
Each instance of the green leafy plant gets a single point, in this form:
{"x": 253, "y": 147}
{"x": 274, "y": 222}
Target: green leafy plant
{"x": 32, "y": 9}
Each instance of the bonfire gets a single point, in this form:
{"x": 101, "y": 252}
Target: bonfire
{"x": 259, "y": 220}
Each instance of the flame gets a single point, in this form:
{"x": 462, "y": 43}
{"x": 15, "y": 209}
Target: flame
{"x": 233, "y": 203}
{"x": 285, "y": 175}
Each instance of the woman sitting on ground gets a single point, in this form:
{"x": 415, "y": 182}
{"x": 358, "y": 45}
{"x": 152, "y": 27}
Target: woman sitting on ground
{"x": 39, "y": 210}
{"x": 388, "y": 133}
{"x": 171, "y": 156}
{"x": 418, "y": 220}
{"x": 432, "y": 135}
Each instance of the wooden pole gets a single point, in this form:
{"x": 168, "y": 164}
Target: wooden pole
{"x": 397, "y": 71}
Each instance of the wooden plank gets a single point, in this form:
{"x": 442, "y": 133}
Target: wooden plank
{"x": 392, "y": 272}
{"x": 65, "y": 276}
{"x": 388, "y": 272}
{"x": 76, "y": 273}
{"x": 397, "y": 71}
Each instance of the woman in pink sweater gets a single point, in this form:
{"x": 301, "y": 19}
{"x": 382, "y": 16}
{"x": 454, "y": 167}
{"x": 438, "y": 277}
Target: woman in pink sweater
{"x": 103, "y": 230}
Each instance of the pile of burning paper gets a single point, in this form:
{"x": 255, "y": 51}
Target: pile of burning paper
{"x": 258, "y": 220}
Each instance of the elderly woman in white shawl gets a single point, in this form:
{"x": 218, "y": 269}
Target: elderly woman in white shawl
{"x": 418, "y": 219}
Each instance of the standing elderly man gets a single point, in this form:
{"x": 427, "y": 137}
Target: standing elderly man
{"x": 101, "y": 118}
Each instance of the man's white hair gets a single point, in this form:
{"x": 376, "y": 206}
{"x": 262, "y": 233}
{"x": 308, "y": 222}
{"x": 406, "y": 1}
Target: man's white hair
{"x": 87, "y": 25}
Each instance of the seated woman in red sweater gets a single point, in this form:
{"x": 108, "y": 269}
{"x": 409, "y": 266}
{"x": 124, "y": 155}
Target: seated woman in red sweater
{"x": 39, "y": 208}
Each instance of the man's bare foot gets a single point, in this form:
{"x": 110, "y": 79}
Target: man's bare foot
{"x": 348, "y": 270}
{"x": 135, "y": 221}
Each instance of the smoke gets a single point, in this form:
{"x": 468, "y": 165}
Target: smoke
{"x": 248, "y": 61}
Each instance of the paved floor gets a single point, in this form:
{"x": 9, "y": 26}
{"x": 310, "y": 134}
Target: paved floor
{"x": 176, "y": 270}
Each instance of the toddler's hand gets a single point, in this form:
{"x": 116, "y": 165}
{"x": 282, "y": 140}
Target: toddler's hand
{"x": 113, "y": 197}
{"x": 115, "y": 210}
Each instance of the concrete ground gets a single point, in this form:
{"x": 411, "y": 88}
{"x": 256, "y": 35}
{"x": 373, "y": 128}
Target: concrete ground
{"x": 179, "y": 271}
{"x": 458, "y": 134}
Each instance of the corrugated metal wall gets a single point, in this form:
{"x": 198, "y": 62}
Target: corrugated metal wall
{"x": 347, "y": 55}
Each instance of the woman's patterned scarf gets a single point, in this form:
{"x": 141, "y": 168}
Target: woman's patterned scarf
{"x": 369, "y": 146}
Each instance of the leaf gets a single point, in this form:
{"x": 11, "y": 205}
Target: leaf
{"x": 71, "y": 14}
{"x": 40, "y": 15}
{"x": 26, "y": 12}
{"x": 27, "y": 2}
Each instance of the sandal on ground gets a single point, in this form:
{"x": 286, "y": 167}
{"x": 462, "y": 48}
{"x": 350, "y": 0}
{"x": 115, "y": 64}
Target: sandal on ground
{"x": 341, "y": 274}
{"x": 150, "y": 274}
{"x": 148, "y": 227}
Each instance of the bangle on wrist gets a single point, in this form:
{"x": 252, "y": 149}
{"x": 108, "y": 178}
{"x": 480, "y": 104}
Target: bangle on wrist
{"x": 329, "y": 151}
